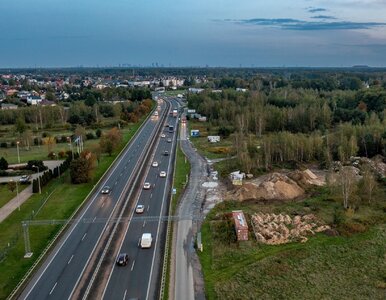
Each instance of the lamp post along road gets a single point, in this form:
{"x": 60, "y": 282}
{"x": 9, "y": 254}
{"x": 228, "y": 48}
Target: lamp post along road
{"x": 18, "y": 153}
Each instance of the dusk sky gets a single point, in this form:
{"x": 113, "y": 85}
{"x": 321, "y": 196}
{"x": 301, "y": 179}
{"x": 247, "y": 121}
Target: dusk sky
{"x": 64, "y": 33}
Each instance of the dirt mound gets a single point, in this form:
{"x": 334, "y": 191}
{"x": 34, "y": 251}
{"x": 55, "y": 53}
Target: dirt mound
{"x": 306, "y": 178}
{"x": 275, "y": 186}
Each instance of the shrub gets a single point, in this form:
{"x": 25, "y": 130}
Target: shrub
{"x": 3, "y": 164}
{"x": 4, "y": 145}
{"x": 98, "y": 133}
{"x": 62, "y": 154}
{"x": 52, "y": 155}
{"x": 90, "y": 136}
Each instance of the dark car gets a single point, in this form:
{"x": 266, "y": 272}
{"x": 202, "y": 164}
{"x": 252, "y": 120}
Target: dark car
{"x": 123, "y": 259}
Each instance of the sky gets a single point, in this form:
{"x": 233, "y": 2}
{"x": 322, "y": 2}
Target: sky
{"x": 228, "y": 33}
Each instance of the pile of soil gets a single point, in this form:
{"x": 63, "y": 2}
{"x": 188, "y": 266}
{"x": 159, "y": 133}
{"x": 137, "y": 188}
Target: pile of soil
{"x": 275, "y": 186}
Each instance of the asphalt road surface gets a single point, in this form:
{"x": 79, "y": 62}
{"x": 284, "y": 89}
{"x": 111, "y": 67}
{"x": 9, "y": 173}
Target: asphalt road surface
{"x": 140, "y": 279}
{"x": 63, "y": 268}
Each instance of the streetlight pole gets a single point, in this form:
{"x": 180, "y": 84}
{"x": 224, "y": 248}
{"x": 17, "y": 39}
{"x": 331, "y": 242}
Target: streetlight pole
{"x": 70, "y": 144}
{"x": 17, "y": 195}
{"x": 18, "y": 153}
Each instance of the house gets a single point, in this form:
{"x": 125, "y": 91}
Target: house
{"x": 195, "y": 132}
{"x": 241, "y": 225}
{"x": 34, "y": 100}
{"x": 237, "y": 177}
{"x": 202, "y": 119}
{"x": 241, "y": 90}
{"x": 195, "y": 90}
{"x": 213, "y": 138}
{"x": 7, "y": 106}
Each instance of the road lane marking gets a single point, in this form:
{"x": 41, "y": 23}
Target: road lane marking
{"x": 94, "y": 219}
{"x": 53, "y": 287}
{"x": 84, "y": 236}
{"x": 139, "y": 241}
{"x": 70, "y": 259}
{"x": 148, "y": 207}
{"x": 151, "y": 196}
{"x": 103, "y": 204}
{"x": 132, "y": 266}
{"x": 116, "y": 182}
{"x": 124, "y": 295}
{"x": 144, "y": 223}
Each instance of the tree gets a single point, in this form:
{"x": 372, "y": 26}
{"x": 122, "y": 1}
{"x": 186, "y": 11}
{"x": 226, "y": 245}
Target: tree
{"x": 49, "y": 141}
{"x": 20, "y": 125}
{"x": 110, "y": 140}
{"x": 3, "y": 164}
{"x": 11, "y": 185}
{"x": 80, "y": 170}
{"x": 369, "y": 183}
{"x": 348, "y": 185}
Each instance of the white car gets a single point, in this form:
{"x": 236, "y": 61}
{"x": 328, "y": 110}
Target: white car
{"x": 146, "y": 186}
{"x": 146, "y": 240}
{"x": 162, "y": 174}
{"x": 169, "y": 140}
{"x": 140, "y": 209}
{"x": 154, "y": 164}
{"x": 106, "y": 190}
{"x": 163, "y": 135}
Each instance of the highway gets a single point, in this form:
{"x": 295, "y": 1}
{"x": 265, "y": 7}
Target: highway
{"x": 140, "y": 278}
{"x": 62, "y": 270}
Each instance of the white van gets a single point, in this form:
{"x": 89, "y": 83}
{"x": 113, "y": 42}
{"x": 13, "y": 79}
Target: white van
{"x": 146, "y": 240}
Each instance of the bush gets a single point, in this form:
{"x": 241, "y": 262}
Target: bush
{"x": 3, "y": 164}
{"x": 62, "y": 154}
{"x": 4, "y": 145}
{"x": 51, "y": 155}
{"x": 90, "y": 136}
{"x": 98, "y": 133}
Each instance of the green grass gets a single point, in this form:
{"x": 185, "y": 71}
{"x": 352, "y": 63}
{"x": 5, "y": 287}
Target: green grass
{"x": 326, "y": 267}
{"x": 181, "y": 171}
{"x": 64, "y": 200}
{"x": 7, "y": 195}
{"x": 41, "y": 152}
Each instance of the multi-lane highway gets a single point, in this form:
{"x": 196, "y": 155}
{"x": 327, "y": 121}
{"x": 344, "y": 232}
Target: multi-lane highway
{"x": 140, "y": 278}
{"x": 64, "y": 268}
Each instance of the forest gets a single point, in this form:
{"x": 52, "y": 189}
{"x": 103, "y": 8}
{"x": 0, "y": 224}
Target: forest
{"x": 298, "y": 118}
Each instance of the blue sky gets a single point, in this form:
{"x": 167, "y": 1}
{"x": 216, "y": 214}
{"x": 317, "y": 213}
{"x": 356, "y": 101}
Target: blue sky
{"x": 54, "y": 33}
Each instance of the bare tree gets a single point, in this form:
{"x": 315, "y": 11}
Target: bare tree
{"x": 348, "y": 185}
{"x": 369, "y": 183}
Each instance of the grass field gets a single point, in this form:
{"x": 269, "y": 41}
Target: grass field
{"x": 64, "y": 198}
{"x": 348, "y": 266}
{"x": 41, "y": 152}
{"x": 7, "y": 195}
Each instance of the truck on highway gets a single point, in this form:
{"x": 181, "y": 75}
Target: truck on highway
{"x": 146, "y": 240}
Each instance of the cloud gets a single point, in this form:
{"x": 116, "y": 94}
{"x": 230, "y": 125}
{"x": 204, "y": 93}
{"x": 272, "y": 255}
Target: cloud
{"x": 323, "y": 17}
{"x": 301, "y": 25}
{"x": 315, "y": 9}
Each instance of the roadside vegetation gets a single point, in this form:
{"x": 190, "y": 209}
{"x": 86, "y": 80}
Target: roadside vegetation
{"x": 59, "y": 199}
{"x": 7, "y": 193}
{"x": 332, "y": 122}
{"x": 182, "y": 171}
{"x": 348, "y": 264}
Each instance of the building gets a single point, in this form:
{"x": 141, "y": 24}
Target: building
{"x": 6, "y": 106}
{"x": 34, "y": 100}
{"x": 241, "y": 225}
{"x": 213, "y": 138}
